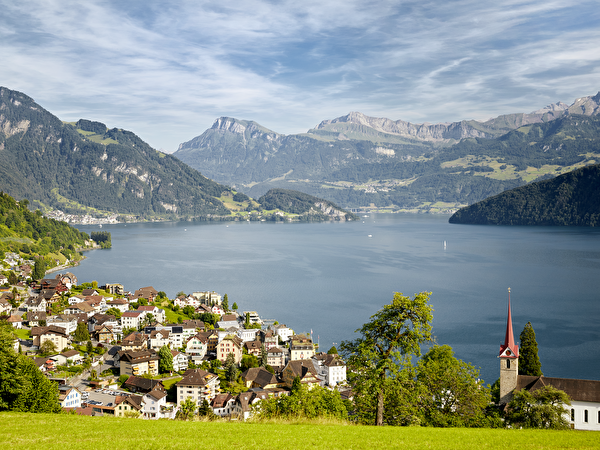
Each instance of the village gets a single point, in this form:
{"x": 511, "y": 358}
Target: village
{"x": 139, "y": 355}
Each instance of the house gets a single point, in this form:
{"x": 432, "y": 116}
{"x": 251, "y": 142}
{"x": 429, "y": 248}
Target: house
{"x": 70, "y": 357}
{"x": 142, "y": 385}
{"x": 104, "y": 333}
{"x": 51, "y": 333}
{"x": 584, "y": 412}
{"x": 303, "y": 369}
{"x": 259, "y": 377}
{"x": 134, "y": 341}
{"x": 242, "y": 406}
{"x": 277, "y": 357}
{"x": 119, "y": 303}
{"x": 66, "y": 321}
{"x": 222, "y": 404}
{"x": 180, "y": 360}
{"x": 157, "y": 313}
{"x": 68, "y": 280}
{"x": 81, "y": 308}
{"x": 228, "y": 321}
{"x": 247, "y": 335}
{"x": 253, "y": 317}
{"x": 138, "y": 362}
{"x": 331, "y": 368}
{"x": 283, "y": 332}
{"x": 196, "y": 347}
{"x": 212, "y": 340}
{"x": 16, "y": 321}
{"x": 69, "y": 397}
{"x": 36, "y": 318}
{"x": 89, "y": 292}
{"x": 128, "y": 406}
{"x": 301, "y": 347}
{"x": 197, "y": 384}
{"x": 101, "y": 319}
{"x": 3, "y": 280}
{"x": 159, "y": 338}
{"x": 230, "y": 344}
{"x": 97, "y": 302}
{"x": 114, "y": 288}
{"x": 269, "y": 338}
{"x": 208, "y": 298}
{"x": 38, "y": 304}
{"x": 131, "y": 319}
{"x": 182, "y": 301}
{"x": 148, "y": 292}
{"x": 154, "y": 405}
{"x": 253, "y": 347}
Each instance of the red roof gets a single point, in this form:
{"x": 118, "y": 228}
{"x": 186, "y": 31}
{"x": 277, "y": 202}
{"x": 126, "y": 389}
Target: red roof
{"x": 509, "y": 349}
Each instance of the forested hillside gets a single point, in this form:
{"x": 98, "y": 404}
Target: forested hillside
{"x": 85, "y": 167}
{"x": 310, "y": 208}
{"x": 29, "y": 234}
{"x": 569, "y": 199}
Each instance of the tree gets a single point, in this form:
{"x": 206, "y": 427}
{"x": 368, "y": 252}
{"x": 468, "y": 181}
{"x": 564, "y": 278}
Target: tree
{"x": 387, "y": 341}
{"x": 225, "y": 303}
{"x": 248, "y": 361}
{"x": 81, "y": 333}
{"x": 39, "y": 269}
{"x": 90, "y": 347}
{"x": 234, "y": 306}
{"x": 114, "y": 312}
{"x": 230, "y": 367}
{"x": 47, "y": 348}
{"x": 186, "y": 409}
{"x": 332, "y": 351}
{"x": 454, "y": 394}
{"x": 542, "y": 408}
{"x": 529, "y": 362}
{"x": 165, "y": 363}
{"x": 264, "y": 356}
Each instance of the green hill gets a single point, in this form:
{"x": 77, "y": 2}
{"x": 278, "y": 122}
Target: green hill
{"x": 569, "y": 199}
{"x": 86, "y": 168}
{"x": 308, "y": 207}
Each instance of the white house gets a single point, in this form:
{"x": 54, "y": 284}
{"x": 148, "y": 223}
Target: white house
{"x": 283, "y": 332}
{"x": 69, "y": 397}
{"x": 131, "y": 319}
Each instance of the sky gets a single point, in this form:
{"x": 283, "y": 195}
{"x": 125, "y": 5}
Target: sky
{"x": 167, "y": 70}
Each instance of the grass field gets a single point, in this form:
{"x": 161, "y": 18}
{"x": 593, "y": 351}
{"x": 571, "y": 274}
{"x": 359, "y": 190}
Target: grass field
{"x": 29, "y": 431}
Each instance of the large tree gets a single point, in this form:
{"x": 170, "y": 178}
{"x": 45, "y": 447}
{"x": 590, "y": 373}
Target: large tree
{"x": 165, "y": 363}
{"x": 453, "y": 393}
{"x": 81, "y": 333}
{"x": 529, "y": 362}
{"x": 543, "y": 408}
{"x": 386, "y": 343}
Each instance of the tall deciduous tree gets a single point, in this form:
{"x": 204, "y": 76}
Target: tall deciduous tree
{"x": 225, "y": 303}
{"x": 529, "y": 362}
{"x": 165, "y": 363}
{"x": 39, "y": 269}
{"x": 542, "y": 408}
{"x": 81, "y": 333}
{"x": 453, "y": 393}
{"x": 394, "y": 333}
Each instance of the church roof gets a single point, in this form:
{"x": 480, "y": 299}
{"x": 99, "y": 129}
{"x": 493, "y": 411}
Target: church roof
{"x": 577, "y": 390}
{"x": 509, "y": 349}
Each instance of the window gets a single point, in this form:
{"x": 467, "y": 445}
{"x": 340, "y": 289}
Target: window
{"x": 598, "y": 416}
{"x": 572, "y": 415}
{"x": 585, "y": 415}
{"x": 508, "y": 363}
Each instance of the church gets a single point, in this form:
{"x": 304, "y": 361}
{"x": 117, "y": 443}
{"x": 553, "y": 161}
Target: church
{"x": 584, "y": 394}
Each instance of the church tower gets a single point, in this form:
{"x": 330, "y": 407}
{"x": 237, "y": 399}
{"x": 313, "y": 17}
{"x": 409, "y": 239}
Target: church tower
{"x": 509, "y": 361}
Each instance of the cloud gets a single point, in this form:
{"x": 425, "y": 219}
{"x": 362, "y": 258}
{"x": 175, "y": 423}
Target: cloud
{"x": 167, "y": 70}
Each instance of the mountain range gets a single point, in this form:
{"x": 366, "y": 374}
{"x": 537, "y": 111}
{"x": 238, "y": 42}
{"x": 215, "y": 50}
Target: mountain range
{"x": 357, "y": 160}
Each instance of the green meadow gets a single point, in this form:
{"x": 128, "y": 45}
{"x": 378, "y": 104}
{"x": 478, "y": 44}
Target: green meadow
{"x": 65, "y": 431}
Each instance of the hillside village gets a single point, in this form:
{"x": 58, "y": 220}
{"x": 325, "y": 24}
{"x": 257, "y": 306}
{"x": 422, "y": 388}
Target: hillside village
{"x": 143, "y": 355}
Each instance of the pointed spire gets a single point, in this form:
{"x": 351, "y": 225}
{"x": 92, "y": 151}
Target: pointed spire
{"x": 509, "y": 349}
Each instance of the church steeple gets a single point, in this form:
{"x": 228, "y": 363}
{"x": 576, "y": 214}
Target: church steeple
{"x": 509, "y": 361}
{"x": 509, "y": 349}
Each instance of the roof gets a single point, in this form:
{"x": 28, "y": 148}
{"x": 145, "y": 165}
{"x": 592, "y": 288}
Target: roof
{"x": 157, "y": 393}
{"x": 196, "y": 377}
{"x": 70, "y": 353}
{"x": 143, "y": 384}
{"x": 509, "y": 349}
{"x": 302, "y": 368}
{"x": 577, "y": 390}
{"x": 38, "y": 331}
{"x": 260, "y": 376}
{"x": 138, "y": 357}
{"x": 221, "y": 400}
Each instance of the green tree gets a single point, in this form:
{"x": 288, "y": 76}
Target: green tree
{"x": 47, "y": 348}
{"x": 393, "y": 335}
{"x": 187, "y": 409}
{"x": 206, "y": 411}
{"x": 234, "y": 306}
{"x": 455, "y": 396}
{"x": 332, "y": 351}
{"x": 542, "y": 408}
{"x": 114, "y": 312}
{"x": 90, "y": 347}
{"x": 81, "y": 333}
{"x": 230, "y": 367}
{"x": 264, "y": 356}
{"x": 248, "y": 361}
{"x": 39, "y": 269}
{"x": 12, "y": 278}
{"x": 225, "y": 303}
{"x": 165, "y": 363}
{"x": 529, "y": 362}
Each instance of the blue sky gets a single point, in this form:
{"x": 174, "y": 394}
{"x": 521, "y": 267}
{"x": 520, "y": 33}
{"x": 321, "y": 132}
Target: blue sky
{"x": 167, "y": 70}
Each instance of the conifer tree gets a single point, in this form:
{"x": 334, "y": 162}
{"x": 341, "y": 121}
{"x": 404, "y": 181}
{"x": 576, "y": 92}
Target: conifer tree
{"x": 529, "y": 362}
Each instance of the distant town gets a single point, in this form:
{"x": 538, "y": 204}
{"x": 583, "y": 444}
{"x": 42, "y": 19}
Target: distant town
{"x": 144, "y": 355}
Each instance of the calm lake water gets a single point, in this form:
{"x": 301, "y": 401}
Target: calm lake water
{"x": 330, "y": 277}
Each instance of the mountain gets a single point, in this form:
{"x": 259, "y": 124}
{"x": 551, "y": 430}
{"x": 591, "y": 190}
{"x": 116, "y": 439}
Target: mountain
{"x": 85, "y": 167}
{"x": 569, "y": 199}
{"x": 356, "y": 160}
{"x": 308, "y": 207}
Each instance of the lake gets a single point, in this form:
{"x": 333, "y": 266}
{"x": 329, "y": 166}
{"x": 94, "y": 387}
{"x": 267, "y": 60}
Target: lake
{"x": 331, "y": 277}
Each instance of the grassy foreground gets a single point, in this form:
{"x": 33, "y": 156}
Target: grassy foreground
{"x": 47, "y": 431}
